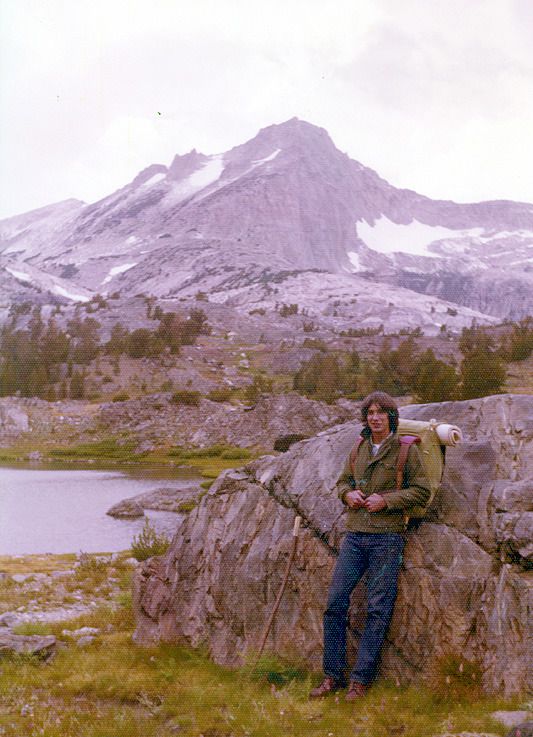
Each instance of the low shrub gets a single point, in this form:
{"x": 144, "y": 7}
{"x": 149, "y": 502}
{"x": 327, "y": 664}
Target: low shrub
{"x": 220, "y": 395}
{"x": 236, "y": 454}
{"x": 189, "y": 398}
{"x": 186, "y": 507}
{"x": 121, "y": 397}
{"x": 92, "y": 570}
{"x": 149, "y": 543}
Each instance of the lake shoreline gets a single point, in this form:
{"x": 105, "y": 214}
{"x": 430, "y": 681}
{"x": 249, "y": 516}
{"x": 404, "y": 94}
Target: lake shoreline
{"x": 64, "y": 510}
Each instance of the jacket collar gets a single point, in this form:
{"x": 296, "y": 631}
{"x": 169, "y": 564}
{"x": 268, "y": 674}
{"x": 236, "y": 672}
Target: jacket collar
{"x": 383, "y": 448}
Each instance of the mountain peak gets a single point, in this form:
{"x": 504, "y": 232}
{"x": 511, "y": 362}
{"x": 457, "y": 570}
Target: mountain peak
{"x": 295, "y": 129}
{"x": 183, "y": 166}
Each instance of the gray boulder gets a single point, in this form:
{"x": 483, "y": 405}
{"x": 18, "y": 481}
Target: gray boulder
{"x": 41, "y": 647}
{"x": 465, "y": 589}
{"x": 512, "y": 718}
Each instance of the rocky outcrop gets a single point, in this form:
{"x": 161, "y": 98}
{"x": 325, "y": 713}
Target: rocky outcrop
{"x": 154, "y": 419}
{"x": 167, "y": 499}
{"x": 465, "y": 590}
{"x": 210, "y": 423}
{"x": 126, "y": 509}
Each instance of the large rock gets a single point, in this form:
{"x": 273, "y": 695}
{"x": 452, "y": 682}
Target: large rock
{"x": 465, "y": 589}
{"x": 13, "y": 419}
{"x": 40, "y": 646}
{"x": 165, "y": 499}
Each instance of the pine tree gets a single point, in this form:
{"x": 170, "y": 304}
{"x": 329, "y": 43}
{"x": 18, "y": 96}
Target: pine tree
{"x": 77, "y": 385}
{"x": 435, "y": 381}
{"x": 482, "y": 374}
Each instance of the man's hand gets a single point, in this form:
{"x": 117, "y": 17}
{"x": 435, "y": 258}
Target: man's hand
{"x": 354, "y": 499}
{"x": 375, "y": 503}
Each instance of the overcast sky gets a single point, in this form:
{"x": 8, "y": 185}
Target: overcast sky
{"x": 435, "y": 95}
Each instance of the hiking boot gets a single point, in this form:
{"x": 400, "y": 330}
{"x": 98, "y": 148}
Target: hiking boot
{"x": 328, "y": 685}
{"x": 356, "y": 691}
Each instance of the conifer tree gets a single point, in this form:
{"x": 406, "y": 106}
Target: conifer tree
{"x": 434, "y": 380}
{"x": 482, "y": 374}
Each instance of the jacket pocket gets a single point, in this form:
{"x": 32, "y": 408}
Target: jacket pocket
{"x": 384, "y": 476}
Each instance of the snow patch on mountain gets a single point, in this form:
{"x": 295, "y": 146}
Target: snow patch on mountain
{"x": 355, "y": 261}
{"x": 18, "y": 248}
{"x": 414, "y": 238}
{"x": 118, "y": 270}
{"x": 207, "y": 174}
{"x": 153, "y": 180}
{"x": 272, "y": 156}
{"x": 20, "y": 275}
{"x": 69, "y": 295}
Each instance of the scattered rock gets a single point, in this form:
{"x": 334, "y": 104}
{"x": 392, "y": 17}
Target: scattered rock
{"x": 20, "y": 577}
{"x": 63, "y": 574}
{"x": 82, "y": 632}
{"x": 86, "y": 640}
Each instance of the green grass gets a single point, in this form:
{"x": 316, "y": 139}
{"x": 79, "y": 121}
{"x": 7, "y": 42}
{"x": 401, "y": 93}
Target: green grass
{"x": 209, "y": 461}
{"x": 109, "y": 449}
{"x": 89, "y": 578}
{"x": 36, "y": 563}
{"x": 212, "y": 460}
{"x": 112, "y": 688}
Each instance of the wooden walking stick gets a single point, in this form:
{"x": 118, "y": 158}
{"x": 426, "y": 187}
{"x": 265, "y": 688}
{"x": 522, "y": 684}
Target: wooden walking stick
{"x": 295, "y": 532}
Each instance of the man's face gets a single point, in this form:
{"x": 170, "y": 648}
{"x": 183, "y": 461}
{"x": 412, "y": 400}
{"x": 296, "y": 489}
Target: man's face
{"x": 378, "y": 421}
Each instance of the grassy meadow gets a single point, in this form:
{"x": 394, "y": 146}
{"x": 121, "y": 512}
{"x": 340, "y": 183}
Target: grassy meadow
{"x": 112, "y": 688}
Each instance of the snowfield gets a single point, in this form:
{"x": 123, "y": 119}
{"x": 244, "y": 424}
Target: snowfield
{"x": 415, "y": 238}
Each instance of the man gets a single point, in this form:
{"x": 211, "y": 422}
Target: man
{"x": 373, "y": 542}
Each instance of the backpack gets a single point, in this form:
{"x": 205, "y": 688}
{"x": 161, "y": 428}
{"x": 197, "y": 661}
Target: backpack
{"x": 432, "y": 438}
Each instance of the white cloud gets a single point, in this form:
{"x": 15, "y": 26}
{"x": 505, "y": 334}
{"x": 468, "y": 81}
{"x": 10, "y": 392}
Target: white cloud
{"x": 436, "y": 97}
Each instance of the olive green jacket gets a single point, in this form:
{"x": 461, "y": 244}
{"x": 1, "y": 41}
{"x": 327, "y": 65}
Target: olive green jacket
{"x": 379, "y": 472}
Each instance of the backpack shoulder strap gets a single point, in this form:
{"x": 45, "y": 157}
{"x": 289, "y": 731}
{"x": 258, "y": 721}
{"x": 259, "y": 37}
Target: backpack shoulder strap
{"x": 353, "y": 453}
{"x": 405, "y": 443}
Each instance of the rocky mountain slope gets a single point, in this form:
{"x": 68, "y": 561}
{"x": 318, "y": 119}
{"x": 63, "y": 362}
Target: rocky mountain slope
{"x": 155, "y": 421}
{"x": 282, "y": 214}
{"x": 466, "y": 589}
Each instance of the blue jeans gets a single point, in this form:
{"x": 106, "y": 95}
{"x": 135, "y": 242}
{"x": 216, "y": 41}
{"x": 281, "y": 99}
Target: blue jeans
{"x": 381, "y": 555}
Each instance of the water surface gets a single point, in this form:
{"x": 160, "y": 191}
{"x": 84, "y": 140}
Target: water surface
{"x": 54, "y": 509}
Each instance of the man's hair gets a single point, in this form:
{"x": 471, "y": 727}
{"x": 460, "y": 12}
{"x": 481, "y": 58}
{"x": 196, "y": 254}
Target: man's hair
{"x": 387, "y": 404}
